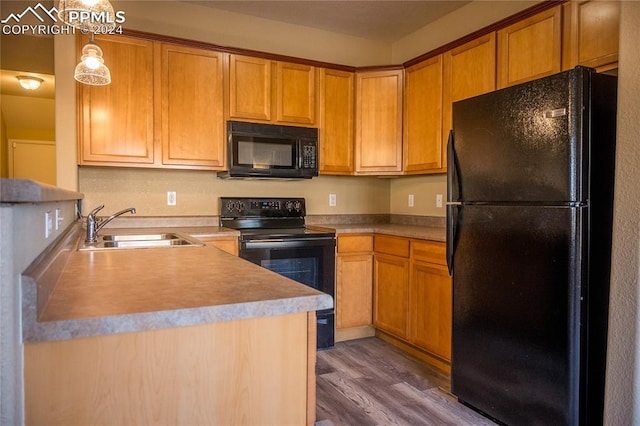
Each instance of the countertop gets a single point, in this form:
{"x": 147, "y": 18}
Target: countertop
{"x": 70, "y": 294}
{"x": 29, "y": 191}
{"x": 433, "y": 233}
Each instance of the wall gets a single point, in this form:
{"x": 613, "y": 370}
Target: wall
{"x": 22, "y": 230}
{"x": 623, "y": 385}
{"x": 65, "y": 120}
{"x": 4, "y": 154}
{"x": 469, "y": 18}
{"x": 192, "y": 21}
{"x": 29, "y": 117}
{"x": 198, "y": 191}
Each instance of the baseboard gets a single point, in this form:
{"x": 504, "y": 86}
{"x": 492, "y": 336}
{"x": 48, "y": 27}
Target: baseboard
{"x": 355, "y": 333}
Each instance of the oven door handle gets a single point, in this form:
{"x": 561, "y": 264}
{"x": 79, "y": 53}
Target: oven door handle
{"x": 285, "y": 242}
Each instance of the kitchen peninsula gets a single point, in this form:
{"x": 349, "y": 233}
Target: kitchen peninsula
{"x": 188, "y": 335}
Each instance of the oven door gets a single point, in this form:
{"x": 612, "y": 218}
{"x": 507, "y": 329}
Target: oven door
{"x": 310, "y": 261}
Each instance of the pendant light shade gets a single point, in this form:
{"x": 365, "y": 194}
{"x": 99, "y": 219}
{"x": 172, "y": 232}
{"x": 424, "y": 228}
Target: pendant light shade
{"x": 87, "y": 15}
{"x": 91, "y": 70}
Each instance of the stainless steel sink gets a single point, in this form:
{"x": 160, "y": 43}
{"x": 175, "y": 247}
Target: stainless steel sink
{"x": 129, "y": 241}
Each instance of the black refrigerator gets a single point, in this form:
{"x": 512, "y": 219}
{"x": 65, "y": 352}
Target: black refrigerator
{"x": 529, "y": 218}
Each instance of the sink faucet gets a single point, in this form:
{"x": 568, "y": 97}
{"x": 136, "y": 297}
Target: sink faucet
{"x": 94, "y": 224}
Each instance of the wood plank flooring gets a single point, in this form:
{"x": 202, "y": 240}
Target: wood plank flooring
{"x": 370, "y": 382}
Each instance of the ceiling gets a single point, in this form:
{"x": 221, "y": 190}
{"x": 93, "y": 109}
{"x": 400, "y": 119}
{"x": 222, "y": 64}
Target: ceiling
{"x": 380, "y": 20}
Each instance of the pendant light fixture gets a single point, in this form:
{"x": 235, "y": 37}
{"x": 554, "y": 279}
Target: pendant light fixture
{"x": 87, "y": 15}
{"x": 91, "y": 70}
{"x": 28, "y": 82}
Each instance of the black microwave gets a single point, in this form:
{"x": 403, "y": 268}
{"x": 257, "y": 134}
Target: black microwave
{"x": 271, "y": 151}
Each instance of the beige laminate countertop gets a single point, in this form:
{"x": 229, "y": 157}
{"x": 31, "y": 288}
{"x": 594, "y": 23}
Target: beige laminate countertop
{"x": 432, "y": 233}
{"x": 70, "y": 293}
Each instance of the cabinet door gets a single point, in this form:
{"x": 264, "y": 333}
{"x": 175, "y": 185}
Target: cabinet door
{"x": 192, "y": 107}
{"x": 530, "y": 49}
{"x": 379, "y": 122}
{"x": 117, "y": 121}
{"x": 422, "y": 142}
{"x": 354, "y": 301}
{"x": 591, "y": 33}
{"x": 336, "y": 121}
{"x": 391, "y": 280}
{"x": 295, "y": 93}
{"x": 249, "y": 88}
{"x": 469, "y": 70}
{"x": 430, "y": 308}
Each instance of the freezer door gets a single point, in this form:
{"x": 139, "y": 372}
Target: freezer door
{"x": 516, "y": 312}
{"x": 523, "y": 143}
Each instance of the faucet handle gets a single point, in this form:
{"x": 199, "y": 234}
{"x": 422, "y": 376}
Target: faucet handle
{"x": 96, "y": 210}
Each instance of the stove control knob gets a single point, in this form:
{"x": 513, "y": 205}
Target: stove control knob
{"x": 297, "y": 206}
{"x": 235, "y": 207}
{"x": 288, "y": 205}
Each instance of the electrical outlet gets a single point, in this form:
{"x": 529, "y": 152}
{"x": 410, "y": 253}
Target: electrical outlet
{"x": 48, "y": 224}
{"x": 410, "y": 201}
{"x": 172, "y": 199}
{"x": 333, "y": 201}
{"x": 58, "y": 219}
{"x": 438, "y": 200}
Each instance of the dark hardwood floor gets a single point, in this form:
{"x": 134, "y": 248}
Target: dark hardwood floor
{"x": 369, "y": 382}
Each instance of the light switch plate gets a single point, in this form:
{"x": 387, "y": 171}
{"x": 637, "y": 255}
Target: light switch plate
{"x": 333, "y": 200}
{"x": 410, "y": 200}
{"x": 439, "y": 200}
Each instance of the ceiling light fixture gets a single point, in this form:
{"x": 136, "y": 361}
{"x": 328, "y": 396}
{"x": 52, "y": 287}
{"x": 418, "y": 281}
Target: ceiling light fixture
{"x": 91, "y": 70}
{"x": 87, "y": 15}
{"x": 28, "y": 82}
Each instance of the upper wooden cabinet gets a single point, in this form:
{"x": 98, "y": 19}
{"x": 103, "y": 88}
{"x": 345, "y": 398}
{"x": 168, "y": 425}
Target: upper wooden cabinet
{"x": 531, "y": 48}
{"x": 192, "y": 117}
{"x": 116, "y": 122}
{"x": 250, "y": 88}
{"x": 591, "y": 32}
{"x": 422, "y": 142}
{"x": 271, "y": 91}
{"x": 163, "y": 108}
{"x": 469, "y": 70}
{"x": 379, "y": 122}
{"x": 337, "y": 108}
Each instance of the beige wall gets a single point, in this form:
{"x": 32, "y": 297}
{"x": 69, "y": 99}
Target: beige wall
{"x": 463, "y": 21}
{"x": 192, "y": 21}
{"x": 4, "y": 167}
{"x": 623, "y": 387}
{"x": 198, "y": 191}
{"x": 65, "y": 120}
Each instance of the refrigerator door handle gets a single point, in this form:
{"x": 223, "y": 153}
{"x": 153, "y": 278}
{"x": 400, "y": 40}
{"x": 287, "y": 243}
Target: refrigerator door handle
{"x": 451, "y": 205}
{"x": 452, "y": 170}
{"x": 452, "y": 218}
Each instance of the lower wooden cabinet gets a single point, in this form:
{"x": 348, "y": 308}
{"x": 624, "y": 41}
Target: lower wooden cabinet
{"x": 230, "y": 245}
{"x": 430, "y": 308}
{"x": 354, "y": 290}
{"x": 208, "y": 374}
{"x": 391, "y": 294}
{"x": 412, "y": 297}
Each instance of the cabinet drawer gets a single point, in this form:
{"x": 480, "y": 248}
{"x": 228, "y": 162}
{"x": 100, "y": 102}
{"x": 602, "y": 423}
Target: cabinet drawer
{"x": 395, "y": 246}
{"x": 355, "y": 243}
{"x": 429, "y": 251}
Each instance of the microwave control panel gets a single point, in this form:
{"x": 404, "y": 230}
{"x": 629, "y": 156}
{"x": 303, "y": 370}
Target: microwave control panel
{"x": 309, "y": 155}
